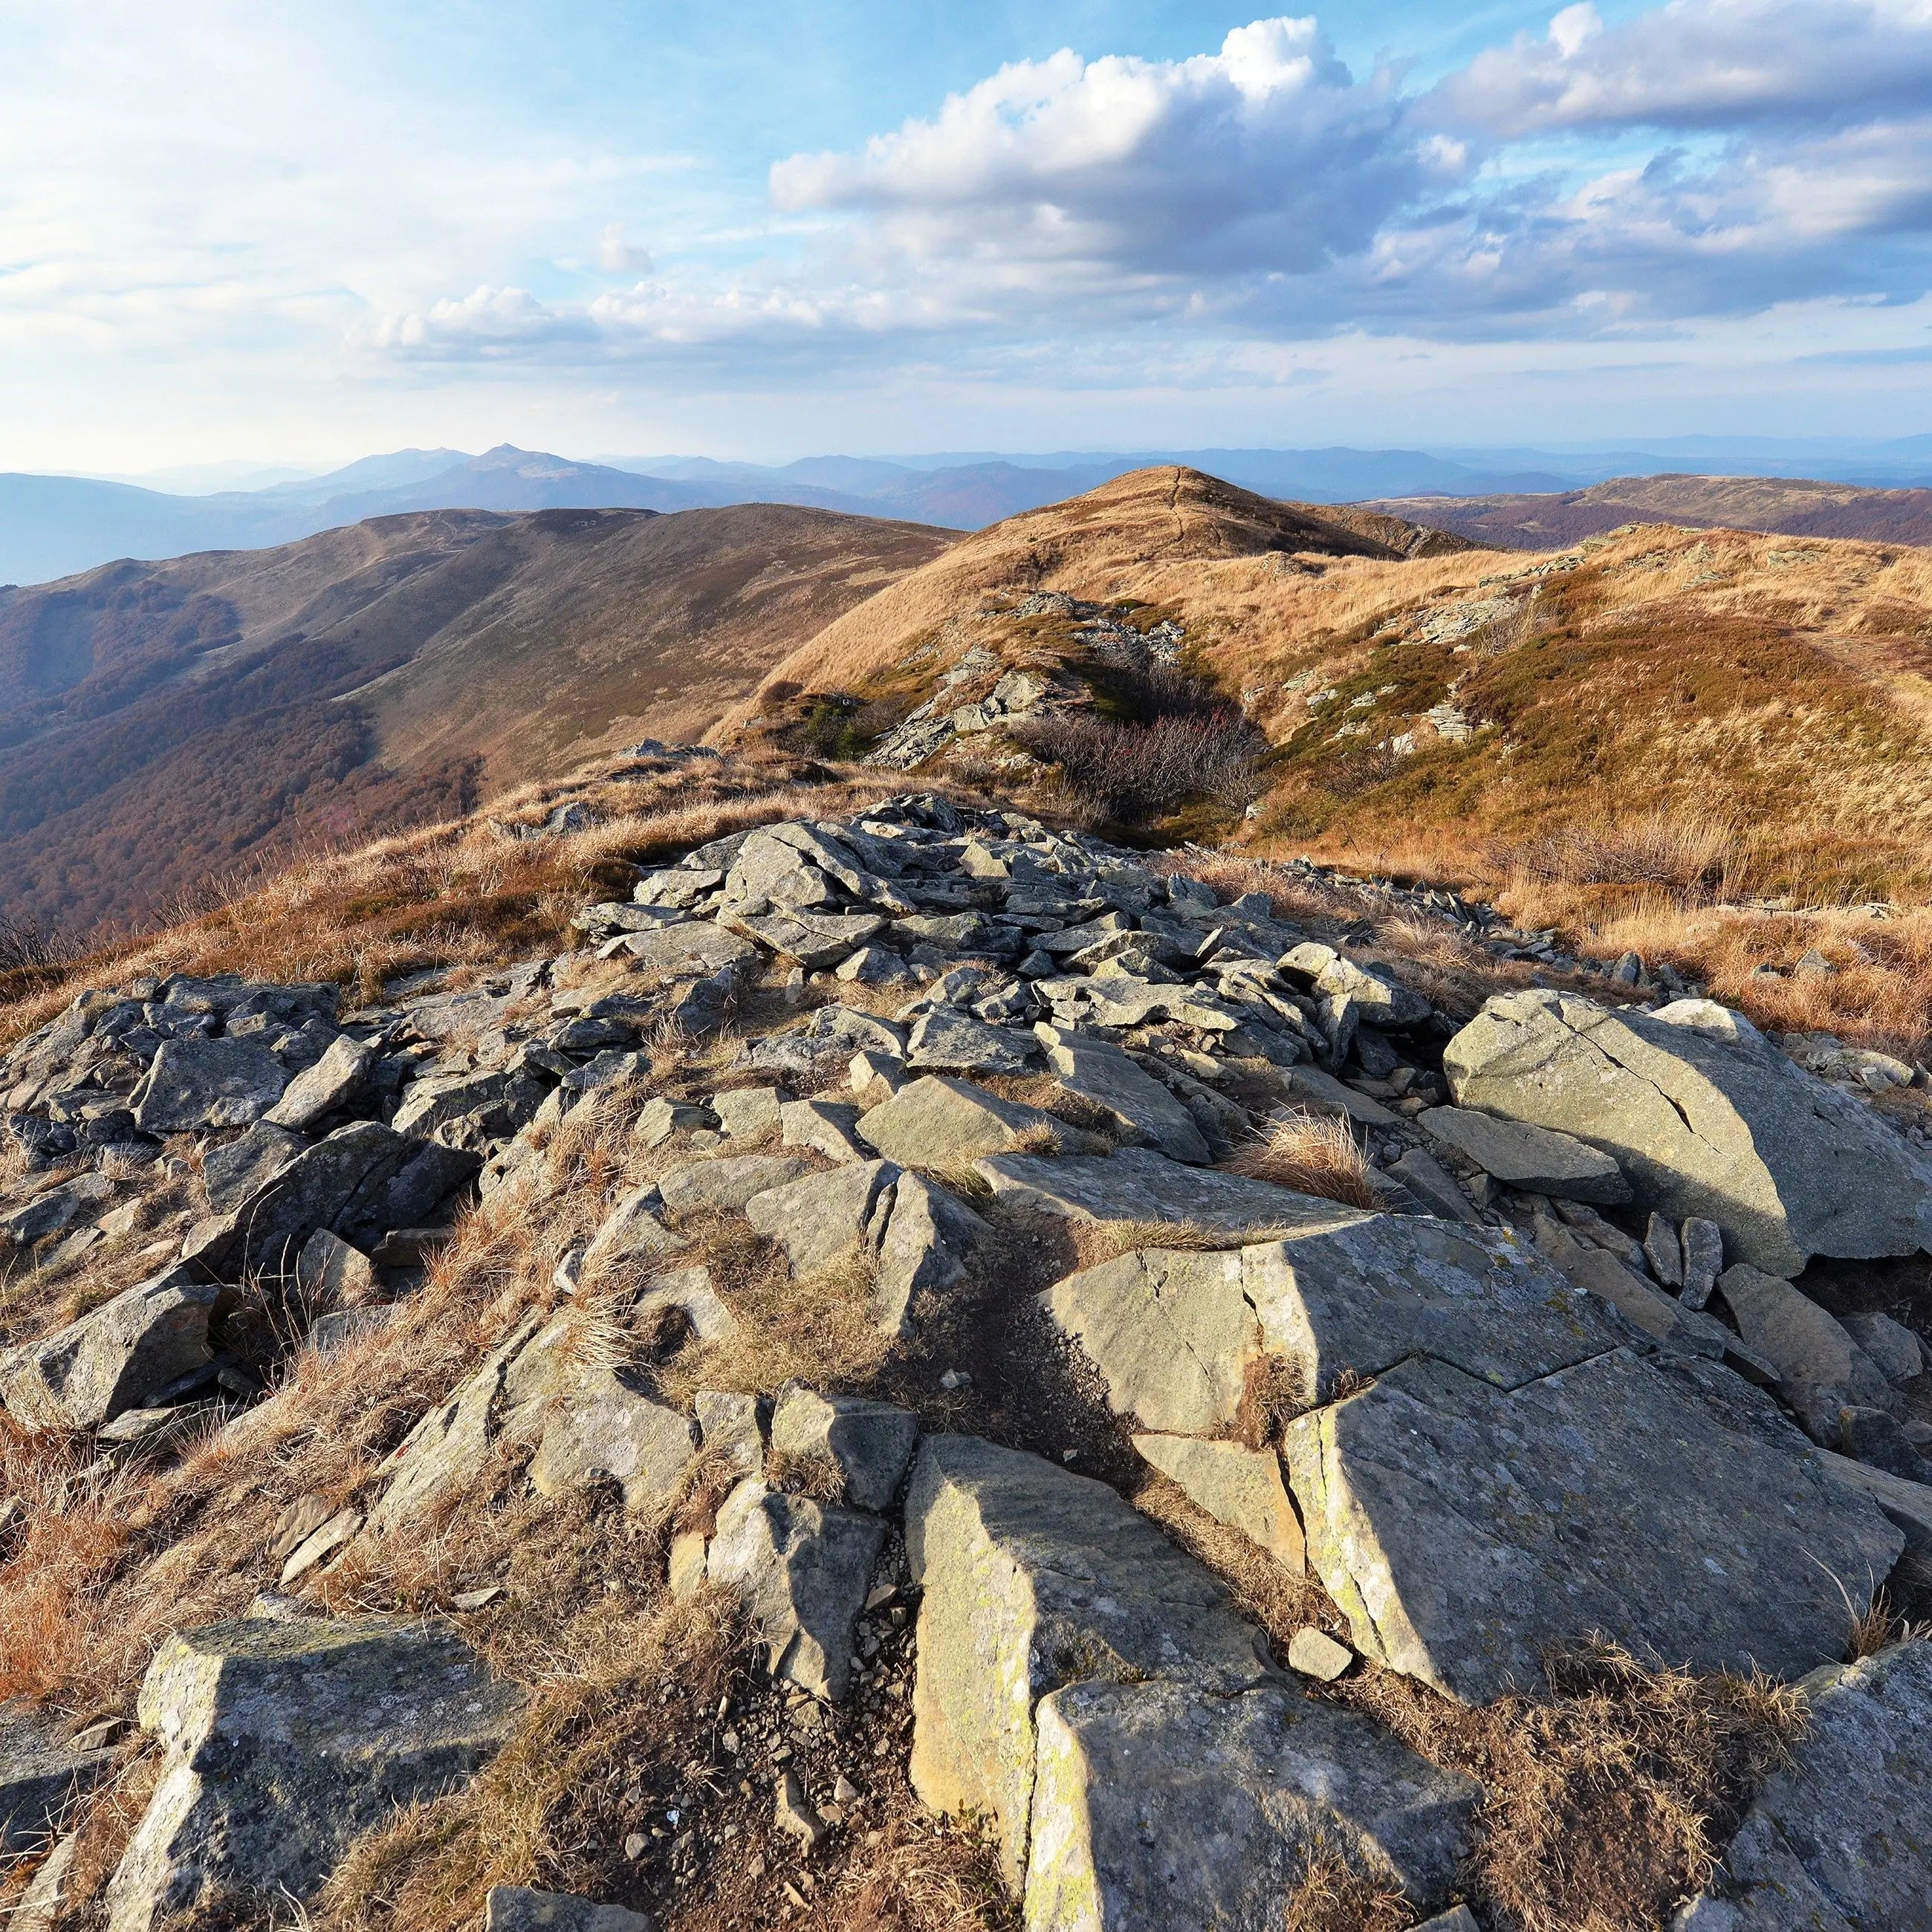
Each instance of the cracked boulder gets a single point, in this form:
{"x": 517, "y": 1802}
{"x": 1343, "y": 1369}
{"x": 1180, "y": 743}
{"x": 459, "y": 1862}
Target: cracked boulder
{"x": 1840, "y": 1839}
{"x": 1705, "y": 1117}
{"x": 1464, "y": 1529}
{"x": 1178, "y": 1334}
{"x": 282, "y": 1741}
{"x": 1088, "y": 1689}
{"x": 1141, "y": 1107}
{"x": 195, "y": 1084}
{"x": 939, "y": 1121}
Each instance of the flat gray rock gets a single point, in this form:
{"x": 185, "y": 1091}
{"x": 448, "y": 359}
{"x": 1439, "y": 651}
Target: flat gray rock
{"x": 1538, "y": 1159}
{"x": 632, "y": 1232}
{"x": 517, "y": 1908}
{"x": 1137, "y": 1184}
{"x": 242, "y": 1167}
{"x": 698, "y": 947}
{"x": 608, "y": 1424}
{"x": 40, "y": 1777}
{"x": 284, "y": 1740}
{"x": 1705, "y": 1117}
{"x": 114, "y": 1356}
{"x": 818, "y": 1218}
{"x": 726, "y": 1184}
{"x": 1462, "y": 1529}
{"x": 813, "y": 939}
{"x": 939, "y": 1121}
{"x": 333, "y": 1081}
{"x": 1840, "y": 1840}
{"x": 1086, "y": 1689}
{"x": 341, "y": 1183}
{"x": 1237, "y": 1485}
{"x": 867, "y": 1443}
{"x": 1820, "y": 1368}
{"x": 923, "y": 1251}
{"x": 194, "y": 1085}
{"x": 1179, "y": 1806}
{"x": 947, "y": 1041}
{"x": 1176, "y": 1334}
{"x": 802, "y": 1571}
{"x": 469, "y": 1110}
{"x": 1104, "y": 1077}
{"x": 57, "y": 1210}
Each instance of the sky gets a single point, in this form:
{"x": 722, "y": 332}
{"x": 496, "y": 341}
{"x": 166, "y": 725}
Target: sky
{"x": 762, "y": 229}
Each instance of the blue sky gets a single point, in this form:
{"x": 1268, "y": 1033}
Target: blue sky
{"x": 298, "y": 231}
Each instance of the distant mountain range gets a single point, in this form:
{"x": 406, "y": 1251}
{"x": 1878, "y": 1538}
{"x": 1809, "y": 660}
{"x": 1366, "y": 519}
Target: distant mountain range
{"x": 52, "y": 526}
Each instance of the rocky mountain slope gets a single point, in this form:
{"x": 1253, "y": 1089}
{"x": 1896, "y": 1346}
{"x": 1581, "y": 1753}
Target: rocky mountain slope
{"x": 162, "y": 723}
{"x": 1781, "y": 505}
{"x": 925, "y": 1369}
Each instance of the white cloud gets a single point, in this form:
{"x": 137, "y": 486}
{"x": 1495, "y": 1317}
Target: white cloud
{"x": 1699, "y": 64}
{"x": 1267, "y": 156}
{"x": 617, "y": 256}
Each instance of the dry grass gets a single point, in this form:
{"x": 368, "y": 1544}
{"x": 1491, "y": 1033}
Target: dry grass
{"x": 1314, "y": 1154}
{"x": 1333, "y": 1896}
{"x": 1608, "y": 1801}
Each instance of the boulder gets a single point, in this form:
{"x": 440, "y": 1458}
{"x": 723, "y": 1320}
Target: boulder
{"x": 1236, "y": 1485}
{"x": 115, "y": 1357}
{"x": 1668, "y": 1322}
{"x": 1538, "y": 1159}
{"x": 1139, "y": 1185}
{"x": 1086, "y": 1689}
{"x": 1820, "y": 1368}
{"x": 447, "y": 1449}
{"x": 868, "y": 1444}
{"x": 938, "y": 1121}
{"x": 1705, "y": 1117}
{"x": 194, "y": 1085}
{"x": 632, "y": 1232}
{"x": 819, "y": 1218}
{"x": 947, "y": 1041}
{"x": 747, "y": 1112}
{"x": 1463, "y": 1529}
{"x": 332, "y": 1082}
{"x": 1104, "y": 1077}
{"x": 341, "y": 1183}
{"x": 517, "y": 1908}
{"x": 283, "y": 1740}
{"x": 1430, "y": 1187}
{"x": 699, "y": 947}
{"x": 802, "y": 1572}
{"x": 1840, "y": 1840}
{"x": 1176, "y": 1334}
{"x": 1893, "y": 1346}
{"x": 813, "y": 939}
{"x": 469, "y": 1110}
{"x": 41, "y": 1777}
{"x": 928, "y": 1241}
{"x": 824, "y": 1127}
{"x": 332, "y": 1274}
{"x": 56, "y": 1211}
{"x": 608, "y": 1424}
{"x": 729, "y": 1425}
{"x": 724, "y": 1185}
{"x": 661, "y": 1118}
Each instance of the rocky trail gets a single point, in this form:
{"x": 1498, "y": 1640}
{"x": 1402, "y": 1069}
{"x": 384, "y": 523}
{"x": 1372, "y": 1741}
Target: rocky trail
{"x": 850, "y": 1397}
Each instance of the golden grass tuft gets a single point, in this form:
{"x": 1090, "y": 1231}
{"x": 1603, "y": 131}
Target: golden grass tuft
{"x": 1312, "y": 1153}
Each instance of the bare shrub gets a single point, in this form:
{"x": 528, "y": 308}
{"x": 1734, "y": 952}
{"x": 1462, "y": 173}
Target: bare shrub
{"x": 1698, "y": 856}
{"x": 1311, "y": 1153}
{"x": 1128, "y": 771}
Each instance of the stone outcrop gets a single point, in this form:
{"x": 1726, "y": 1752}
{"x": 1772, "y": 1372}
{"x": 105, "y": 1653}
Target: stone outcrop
{"x": 1705, "y": 1117}
{"x": 87, "y": 1373}
{"x": 1067, "y": 1649}
{"x": 41, "y": 1776}
{"x": 281, "y": 1741}
{"x": 1464, "y": 1529}
{"x": 1840, "y": 1839}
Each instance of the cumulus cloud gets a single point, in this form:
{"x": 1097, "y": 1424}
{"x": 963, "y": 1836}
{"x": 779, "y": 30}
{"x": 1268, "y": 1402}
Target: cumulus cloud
{"x": 1699, "y": 64}
{"x": 617, "y": 256}
{"x": 1267, "y": 155}
{"x": 1718, "y": 158}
